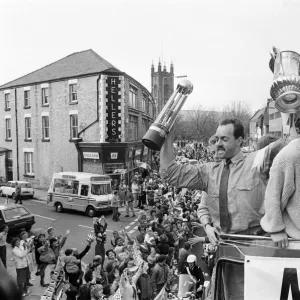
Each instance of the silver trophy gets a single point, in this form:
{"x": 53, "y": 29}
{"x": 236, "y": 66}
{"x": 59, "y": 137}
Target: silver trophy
{"x": 156, "y": 134}
{"x": 285, "y": 89}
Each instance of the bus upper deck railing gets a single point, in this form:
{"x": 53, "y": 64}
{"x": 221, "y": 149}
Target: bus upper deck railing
{"x": 234, "y": 246}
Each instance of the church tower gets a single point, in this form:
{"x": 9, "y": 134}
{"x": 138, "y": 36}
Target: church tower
{"x": 162, "y": 85}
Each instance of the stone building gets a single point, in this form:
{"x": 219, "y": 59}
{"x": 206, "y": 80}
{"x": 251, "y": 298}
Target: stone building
{"x": 162, "y": 83}
{"x": 79, "y": 113}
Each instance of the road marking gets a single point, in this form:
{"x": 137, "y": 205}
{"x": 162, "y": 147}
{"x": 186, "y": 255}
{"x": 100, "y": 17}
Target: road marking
{"x": 86, "y": 226}
{"x": 131, "y": 232}
{"x": 136, "y": 220}
{"x": 136, "y": 227}
{"x": 89, "y": 227}
{"x": 132, "y": 223}
{"x": 127, "y": 227}
{"x": 45, "y": 217}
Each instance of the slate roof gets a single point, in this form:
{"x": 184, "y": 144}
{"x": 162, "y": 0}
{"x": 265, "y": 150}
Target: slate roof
{"x": 74, "y": 65}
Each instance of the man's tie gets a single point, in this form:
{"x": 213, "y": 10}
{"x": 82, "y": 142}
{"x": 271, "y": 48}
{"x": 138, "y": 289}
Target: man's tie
{"x": 223, "y": 199}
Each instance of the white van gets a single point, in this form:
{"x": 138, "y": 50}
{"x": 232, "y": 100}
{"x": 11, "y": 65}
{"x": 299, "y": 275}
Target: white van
{"x": 86, "y": 192}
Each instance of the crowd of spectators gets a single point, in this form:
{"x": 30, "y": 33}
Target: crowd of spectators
{"x": 138, "y": 267}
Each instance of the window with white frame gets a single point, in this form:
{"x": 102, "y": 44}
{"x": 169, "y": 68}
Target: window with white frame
{"x": 28, "y": 128}
{"x": 73, "y": 92}
{"x": 45, "y": 127}
{"x": 28, "y": 163}
{"x": 133, "y": 96}
{"x": 7, "y": 101}
{"x": 26, "y": 98}
{"x": 45, "y": 96}
{"x": 8, "y": 128}
{"x": 133, "y": 128}
{"x": 74, "y": 126}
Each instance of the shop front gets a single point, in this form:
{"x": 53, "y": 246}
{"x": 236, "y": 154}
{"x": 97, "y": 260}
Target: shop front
{"x": 120, "y": 160}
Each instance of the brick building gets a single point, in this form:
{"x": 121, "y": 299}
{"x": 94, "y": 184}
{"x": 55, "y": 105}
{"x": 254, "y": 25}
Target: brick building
{"x": 77, "y": 114}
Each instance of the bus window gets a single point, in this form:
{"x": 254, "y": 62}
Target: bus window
{"x": 100, "y": 189}
{"x": 84, "y": 190}
{"x": 66, "y": 186}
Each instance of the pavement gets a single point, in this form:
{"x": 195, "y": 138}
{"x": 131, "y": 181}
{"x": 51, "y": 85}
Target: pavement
{"x": 40, "y": 195}
{"x": 79, "y": 225}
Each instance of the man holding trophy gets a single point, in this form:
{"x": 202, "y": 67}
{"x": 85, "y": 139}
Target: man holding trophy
{"x": 236, "y": 189}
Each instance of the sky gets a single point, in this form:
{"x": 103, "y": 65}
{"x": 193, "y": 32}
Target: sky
{"x": 222, "y": 46}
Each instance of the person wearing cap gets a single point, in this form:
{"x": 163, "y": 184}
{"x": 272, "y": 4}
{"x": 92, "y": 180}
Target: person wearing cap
{"x": 195, "y": 274}
{"x": 160, "y": 274}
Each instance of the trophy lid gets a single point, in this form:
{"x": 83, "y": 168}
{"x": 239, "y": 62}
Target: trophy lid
{"x": 185, "y": 86}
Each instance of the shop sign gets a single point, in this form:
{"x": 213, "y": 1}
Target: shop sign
{"x": 138, "y": 152}
{"x": 113, "y": 109}
{"x": 91, "y": 155}
{"x": 114, "y": 155}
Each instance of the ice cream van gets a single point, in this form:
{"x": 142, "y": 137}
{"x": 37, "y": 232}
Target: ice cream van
{"x": 86, "y": 192}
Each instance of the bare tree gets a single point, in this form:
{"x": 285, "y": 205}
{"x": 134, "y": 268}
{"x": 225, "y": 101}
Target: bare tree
{"x": 204, "y": 122}
{"x": 182, "y": 128}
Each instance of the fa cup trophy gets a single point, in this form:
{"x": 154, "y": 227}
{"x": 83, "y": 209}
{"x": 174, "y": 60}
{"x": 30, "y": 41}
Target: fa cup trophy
{"x": 285, "y": 89}
{"x": 156, "y": 134}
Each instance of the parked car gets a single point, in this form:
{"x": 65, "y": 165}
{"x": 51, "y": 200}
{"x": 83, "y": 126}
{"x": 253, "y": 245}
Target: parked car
{"x": 10, "y": 189}
{"x": 3, "y": 181}
{"x": 17, "y": 217}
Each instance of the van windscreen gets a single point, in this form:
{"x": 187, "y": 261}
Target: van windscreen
{"x": 100, "y": 189}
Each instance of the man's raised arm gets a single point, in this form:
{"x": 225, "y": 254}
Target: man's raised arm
{"x": 181, "y": 175}
{"x": 166, "y": 153}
